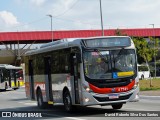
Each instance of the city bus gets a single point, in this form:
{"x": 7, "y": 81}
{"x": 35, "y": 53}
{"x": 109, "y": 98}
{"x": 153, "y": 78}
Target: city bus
{"x": 10, "y": 77}
{"x": 83, "y": 72}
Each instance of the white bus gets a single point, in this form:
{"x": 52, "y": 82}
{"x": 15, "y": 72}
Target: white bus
{"x": 10, "y": 76}
{"x": 83, "y": 72}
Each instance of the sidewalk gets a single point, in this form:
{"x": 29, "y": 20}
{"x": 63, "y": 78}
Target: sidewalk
{"x": 150, "y": 93}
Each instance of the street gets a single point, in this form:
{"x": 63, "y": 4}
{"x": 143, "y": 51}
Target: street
{"x": 16, "y": 101}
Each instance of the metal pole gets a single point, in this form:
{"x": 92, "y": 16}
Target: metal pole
{"x": 154, "y": 51}
{"x": 101, "y": 18}
{"x": 51, "y": 27}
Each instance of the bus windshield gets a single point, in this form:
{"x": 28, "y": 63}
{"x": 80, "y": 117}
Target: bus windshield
{"x": 109, "y": 64}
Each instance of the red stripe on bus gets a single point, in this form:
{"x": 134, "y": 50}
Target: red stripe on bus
{"x": 112, "y": 90}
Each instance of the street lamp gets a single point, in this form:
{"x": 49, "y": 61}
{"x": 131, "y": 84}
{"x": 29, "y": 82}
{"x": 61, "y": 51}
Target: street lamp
{"x": 101, "y": 17}
{"x": 51, "y": 26}
{"x": 154, "y": 50}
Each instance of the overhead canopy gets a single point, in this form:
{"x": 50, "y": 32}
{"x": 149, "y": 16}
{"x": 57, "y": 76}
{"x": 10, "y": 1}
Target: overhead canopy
{"x": 46, "y": 36}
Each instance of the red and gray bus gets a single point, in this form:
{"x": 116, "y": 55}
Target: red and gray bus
{"x": 83, "y": 72}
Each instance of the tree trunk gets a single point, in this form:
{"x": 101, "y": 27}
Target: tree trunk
{"x": 149, "y": 73}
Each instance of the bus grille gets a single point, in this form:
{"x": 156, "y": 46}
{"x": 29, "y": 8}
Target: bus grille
{"x": 106, "y": 99}
{"x": 111, "y": 83}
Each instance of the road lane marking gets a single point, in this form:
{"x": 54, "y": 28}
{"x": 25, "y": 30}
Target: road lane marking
{"x": 28, "y": 103}
{"x": 73, "y": 118}
{"x": 133, "y": 109}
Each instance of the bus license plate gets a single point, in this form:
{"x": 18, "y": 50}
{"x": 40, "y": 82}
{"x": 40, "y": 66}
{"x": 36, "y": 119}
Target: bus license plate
{"x": 113, "y": 96}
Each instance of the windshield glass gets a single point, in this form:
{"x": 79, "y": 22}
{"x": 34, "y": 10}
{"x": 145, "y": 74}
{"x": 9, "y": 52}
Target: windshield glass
{"x": 109, "y": 64}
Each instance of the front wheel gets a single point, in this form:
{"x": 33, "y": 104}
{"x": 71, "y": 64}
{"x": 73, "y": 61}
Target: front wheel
{"x": 67, "y": 102}
{"x": 117, "y": 106}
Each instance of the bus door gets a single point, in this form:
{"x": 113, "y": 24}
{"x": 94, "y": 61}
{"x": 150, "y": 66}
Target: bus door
{"x": 10, "y": 78}
{"x": 48, "y": 79}
{"x": 14, "y": 76}
{"x": 76, "y": 77}
{"x": 1, "y": 75}
{"x": 31, "y": 79}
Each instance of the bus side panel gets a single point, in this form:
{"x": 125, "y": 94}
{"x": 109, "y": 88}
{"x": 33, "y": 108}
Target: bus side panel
{"x": 59, "y": 81}
{"x": 2, "y": 85}
{"x": 39, "y": 82}
{"x": 27, "y": 78}
{"x": 27, "y": 87}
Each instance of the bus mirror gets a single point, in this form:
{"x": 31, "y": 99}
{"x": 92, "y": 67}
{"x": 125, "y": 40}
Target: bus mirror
{"x": 78, "y": 56}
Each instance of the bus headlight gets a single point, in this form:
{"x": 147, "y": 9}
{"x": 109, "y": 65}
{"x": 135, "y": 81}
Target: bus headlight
{"x": 136, "y": 85}
{"x": 87, "y": 88}
{"x": 86, "y": 99}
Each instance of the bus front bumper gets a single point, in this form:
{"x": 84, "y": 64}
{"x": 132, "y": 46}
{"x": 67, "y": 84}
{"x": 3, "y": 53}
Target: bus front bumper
{"x": 109, "y": 99}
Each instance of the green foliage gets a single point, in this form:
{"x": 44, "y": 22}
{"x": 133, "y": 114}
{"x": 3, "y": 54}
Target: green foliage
{"x": 154, "y": 43}
{"x": 142, "y": 68}
{"x": 145, "y": 49}
{"x": 148, "y": 89}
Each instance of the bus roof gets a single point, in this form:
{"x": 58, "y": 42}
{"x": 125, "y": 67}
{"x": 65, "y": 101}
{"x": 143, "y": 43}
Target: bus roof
{"x": 7, "y": 66}
{"x": 64, "y": 43}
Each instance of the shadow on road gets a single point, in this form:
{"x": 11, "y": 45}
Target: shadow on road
{"x": 6, "y": 90}
{"x": 19, "y": 99}
{"x": 58, "y": 111}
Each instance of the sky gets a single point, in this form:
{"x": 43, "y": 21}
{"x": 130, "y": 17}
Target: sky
{"x": 31, "y": 15}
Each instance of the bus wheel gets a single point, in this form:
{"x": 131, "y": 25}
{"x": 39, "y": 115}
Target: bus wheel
{"x": 117, "y": 106}
{"x": 40, "y": 102}
{"x": 67, "y": 101}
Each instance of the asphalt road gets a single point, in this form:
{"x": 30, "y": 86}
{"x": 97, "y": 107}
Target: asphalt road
{"x": 16, "y": 101}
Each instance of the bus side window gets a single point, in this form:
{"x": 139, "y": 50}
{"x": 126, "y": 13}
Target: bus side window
{"x": 64, "y": 63}
{"x": 55, "y": 62}
{"x": 72, "y": 64}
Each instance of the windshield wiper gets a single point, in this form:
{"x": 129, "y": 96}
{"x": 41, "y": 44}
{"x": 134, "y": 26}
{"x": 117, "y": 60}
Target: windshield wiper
{"x": 118, "y": 55}
{"x": 102, "y": 56}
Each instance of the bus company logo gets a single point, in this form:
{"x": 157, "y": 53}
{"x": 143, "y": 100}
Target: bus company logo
{"x": 42, "y": 86}
{"x": 113, "y": 90}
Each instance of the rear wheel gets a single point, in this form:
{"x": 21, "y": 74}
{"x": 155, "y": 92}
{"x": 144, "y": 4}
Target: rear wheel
{"x": 40, "y": 102}
{"x": 68, "y": 102}
{"x": 117, "y": 106}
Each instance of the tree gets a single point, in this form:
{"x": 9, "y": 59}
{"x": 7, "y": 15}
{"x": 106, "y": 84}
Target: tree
{"x": 146, "y": 50}
{"x": 143, "y": 49}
